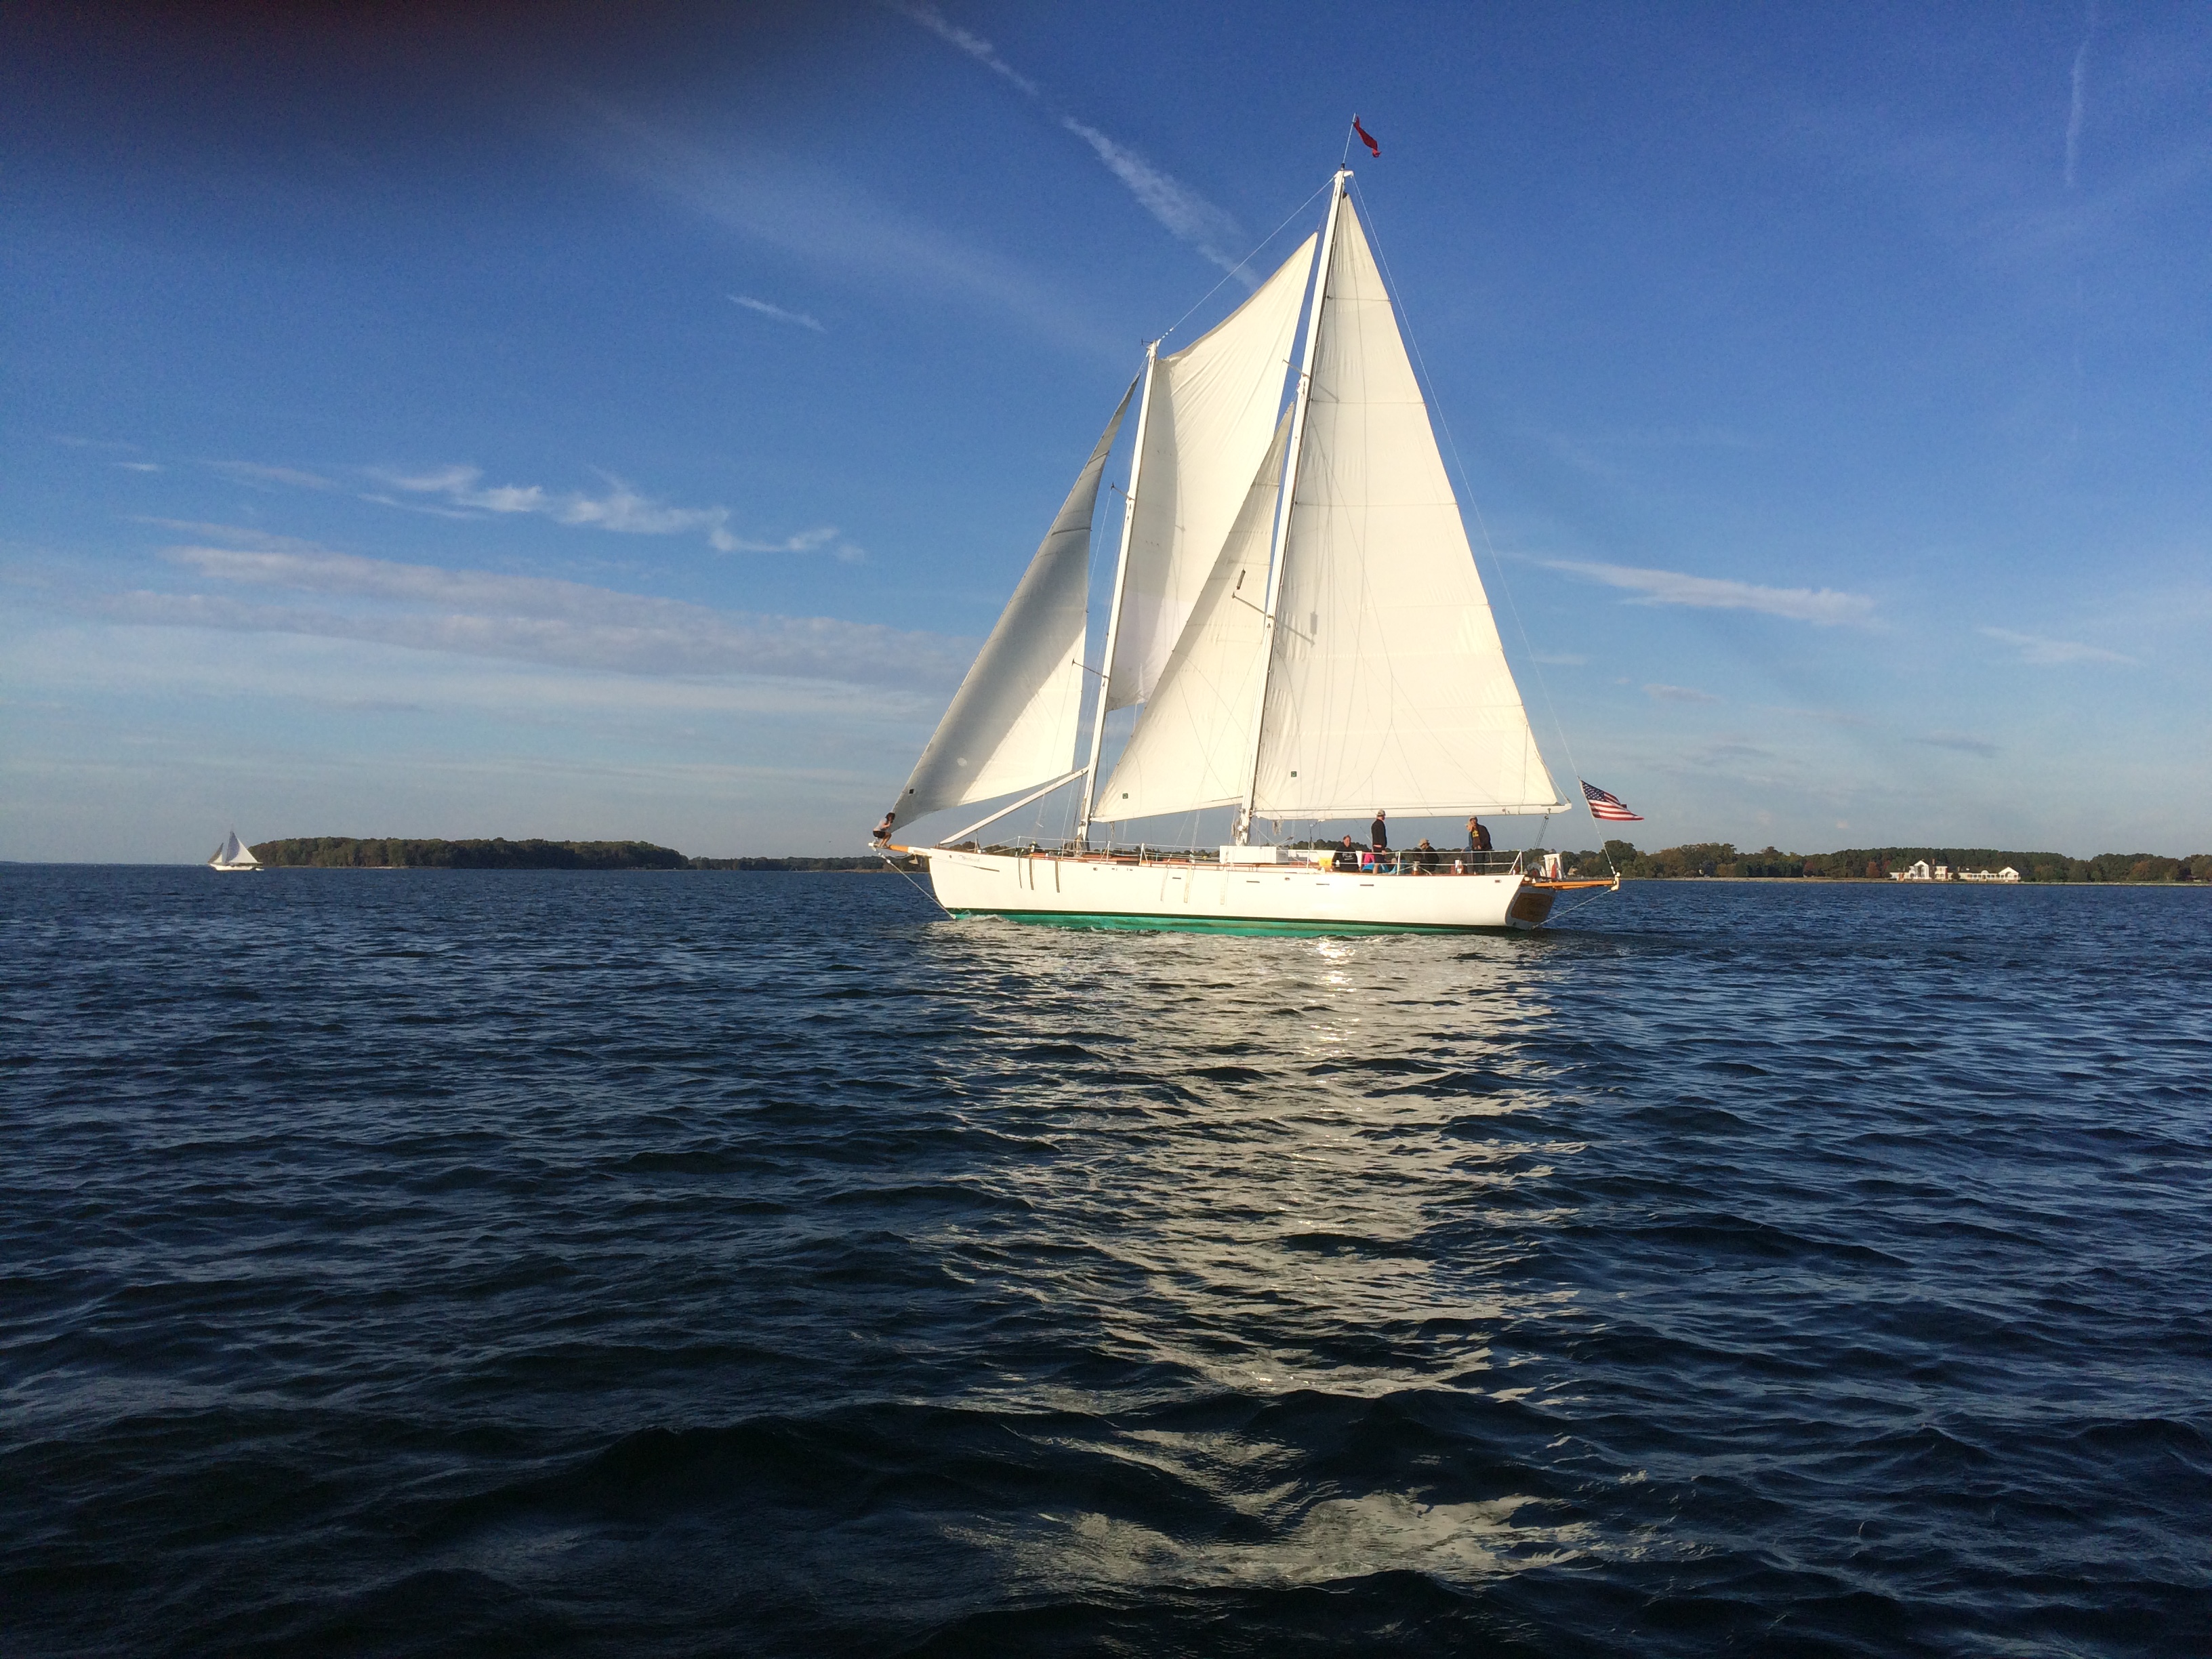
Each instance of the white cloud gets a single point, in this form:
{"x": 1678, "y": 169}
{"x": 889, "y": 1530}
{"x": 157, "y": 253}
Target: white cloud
{"x": 1678, "y": 694}
{"x": 253, "y": 472}
{"x": 1824, "y": 606}
{"x": 2052, "y": 654}
{"x": 787, "y": 201}
{"x": 974, "y": 45}
{"x": 1187, "y": 216}
{"x": 622, "y": 509}
{"x": 2075, "y": 105}
{"x": 777, "y": 311}
{"x": 1961, "y": 742}
{"x": 531, "y": 618}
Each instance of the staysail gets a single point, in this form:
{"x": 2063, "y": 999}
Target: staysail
{"x": 1193, "y": 742}
{"x": 1207, "y": 420}
{"x": 1386, "y": 684}
{"x": 1012, "y": 723}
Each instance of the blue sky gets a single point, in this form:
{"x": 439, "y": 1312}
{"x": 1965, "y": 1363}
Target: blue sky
{"x": 540, "y": 421}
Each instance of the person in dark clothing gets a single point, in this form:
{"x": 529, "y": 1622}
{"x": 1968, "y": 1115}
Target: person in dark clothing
{"x": 1477, "y": 837}
{"x": 1348, "y": 856}
{"x": 1425, "y": 859}
{"x": 1378, "y": 833}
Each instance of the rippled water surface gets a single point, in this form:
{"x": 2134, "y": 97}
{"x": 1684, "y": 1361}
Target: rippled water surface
{"x": 439, "y": 1262}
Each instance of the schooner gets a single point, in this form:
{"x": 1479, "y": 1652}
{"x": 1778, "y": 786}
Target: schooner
{"x": 1297, "y": 618}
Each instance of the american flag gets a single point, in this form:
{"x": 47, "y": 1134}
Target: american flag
{"x": 1610, "y": 807}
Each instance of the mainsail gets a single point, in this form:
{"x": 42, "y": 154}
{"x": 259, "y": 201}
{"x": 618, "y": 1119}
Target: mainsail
{"x": 1386, "y": 684}
{"x": 1208, "y": 415}
{"x": 1012, "y": 723}
{"x": 1193, "y": 745}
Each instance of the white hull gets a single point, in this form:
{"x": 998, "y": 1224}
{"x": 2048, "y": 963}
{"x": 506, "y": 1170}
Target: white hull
{"x": 1232, "y": 897}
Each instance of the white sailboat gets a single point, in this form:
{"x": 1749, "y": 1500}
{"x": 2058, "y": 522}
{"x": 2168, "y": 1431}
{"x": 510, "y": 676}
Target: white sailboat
{"x": 1297, "y": 617}
{"x": 233, "y": 854}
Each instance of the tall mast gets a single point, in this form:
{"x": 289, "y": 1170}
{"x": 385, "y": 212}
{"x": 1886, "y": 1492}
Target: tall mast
{"x": 1281, "y": 549}
{"x": 1114, "y": 615}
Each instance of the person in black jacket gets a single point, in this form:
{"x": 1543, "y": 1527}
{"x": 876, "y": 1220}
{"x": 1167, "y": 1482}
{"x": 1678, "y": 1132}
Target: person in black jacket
{"x": 1477, "y": 837}
{"x": 1348, "y": 856}
{"x": 1378, "y": 833}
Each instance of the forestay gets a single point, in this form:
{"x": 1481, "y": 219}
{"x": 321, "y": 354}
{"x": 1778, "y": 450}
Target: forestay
{"x": 1012, "y": 724}
{"x": 1388, "y": 686}
{"x": 1212, "y": 408}
{"x": 1193, "y": 743}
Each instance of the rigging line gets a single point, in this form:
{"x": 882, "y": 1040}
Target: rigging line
{"x": 1436, "y": 407}
{"x": 1245, "y": 261}
{"x": 911, "y": 882}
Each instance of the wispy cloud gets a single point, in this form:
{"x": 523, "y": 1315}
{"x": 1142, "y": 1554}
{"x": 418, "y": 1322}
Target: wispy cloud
{"x": 974, "y": 45}
{"x": 530, "y": 618}
{"x": 621, "y": 508}
{"x": 136, "y": 466}
{"x": 1678, "y": 694}
{"x": 1186, "y": 215}
{"x": 1828, "y": 716}
{"x": 787, "y": 201}
{"x": 2052, "y": 654}
{"x": 267, "y": 478}
{"x": 1963, "y": 743}
{"x": 1821, "y": 605}
{"x": 777, "y": 311}
{"x": 2074, "y": 106}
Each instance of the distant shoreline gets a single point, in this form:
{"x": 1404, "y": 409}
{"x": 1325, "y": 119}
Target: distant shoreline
{"x": 409, "y": 853}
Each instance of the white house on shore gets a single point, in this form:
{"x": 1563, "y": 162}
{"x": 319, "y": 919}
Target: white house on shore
{"x": 1921, "y": 870}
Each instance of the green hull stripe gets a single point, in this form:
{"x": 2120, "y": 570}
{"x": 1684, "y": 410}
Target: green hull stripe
{"x": 1161, "y": 924}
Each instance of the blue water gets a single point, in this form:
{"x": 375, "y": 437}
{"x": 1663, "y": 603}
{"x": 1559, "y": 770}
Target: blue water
{"x": 432, "y": 1262}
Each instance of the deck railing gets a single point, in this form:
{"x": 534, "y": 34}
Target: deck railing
{"x": 1397, "y": 861}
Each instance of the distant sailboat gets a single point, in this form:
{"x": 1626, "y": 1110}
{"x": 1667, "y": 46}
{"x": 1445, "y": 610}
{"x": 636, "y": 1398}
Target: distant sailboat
{"x": 1297, "y": 611}
{"x": 233, "y": 854}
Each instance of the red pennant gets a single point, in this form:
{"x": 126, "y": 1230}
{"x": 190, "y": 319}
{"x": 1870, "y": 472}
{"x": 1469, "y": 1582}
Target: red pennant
{"x": 1367, "y": 139}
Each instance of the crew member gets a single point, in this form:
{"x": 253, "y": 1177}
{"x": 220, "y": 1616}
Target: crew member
{"x": 1348, "y": 856}
{"x": 882, "y": 834}
{"x": 1477, "y": 837}
{"x": 1378, "y": 833}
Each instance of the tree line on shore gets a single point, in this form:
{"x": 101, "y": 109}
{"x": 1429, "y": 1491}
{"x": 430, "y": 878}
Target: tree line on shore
{"x": 409, "y": 853}
{"x": 1721, "y": 858}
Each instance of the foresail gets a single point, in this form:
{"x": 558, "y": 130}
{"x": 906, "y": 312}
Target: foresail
{"x": 1388, "y": 686}
{"x": 1193, "y": 742}
{"x": 1012, "y": 723}
{"x": 1212, "y": 407}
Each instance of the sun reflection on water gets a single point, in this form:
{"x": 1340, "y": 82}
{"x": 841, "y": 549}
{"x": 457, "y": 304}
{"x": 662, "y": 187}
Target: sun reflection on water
{"x": 1274, "y": 1170}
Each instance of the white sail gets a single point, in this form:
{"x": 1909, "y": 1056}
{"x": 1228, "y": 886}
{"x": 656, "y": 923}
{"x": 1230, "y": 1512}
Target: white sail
{"x": 1193, "y": 743}
{"x": 1012, "y": 723}
{"x": 1388, "y": 686}
{"x": 235, "y": 853}
{"x": 1212, "y": 406}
